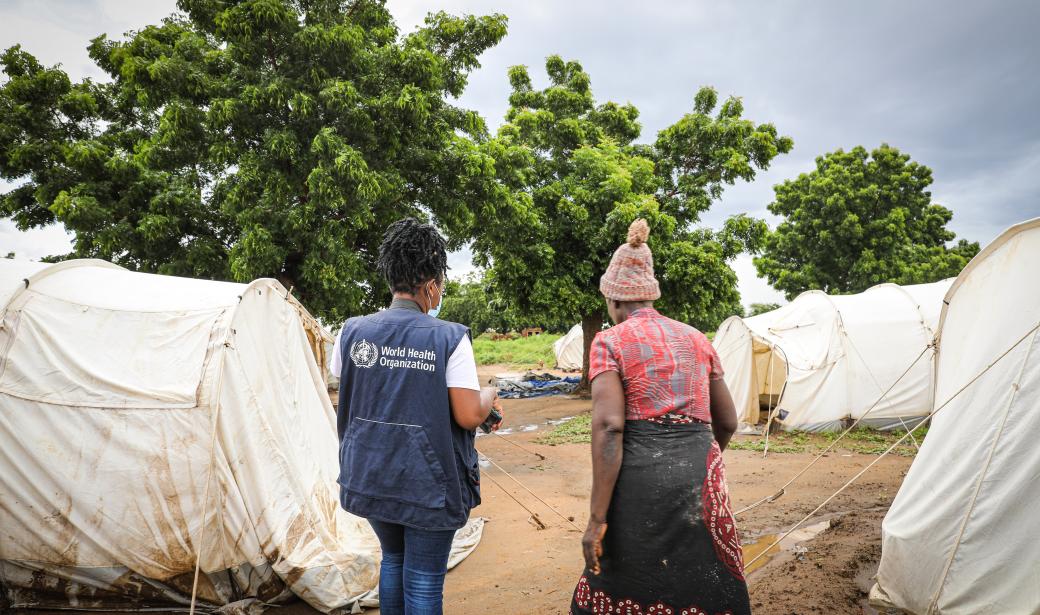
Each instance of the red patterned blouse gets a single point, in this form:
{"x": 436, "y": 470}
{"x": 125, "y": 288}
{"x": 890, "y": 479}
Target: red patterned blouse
{"x": 665, "y": 366}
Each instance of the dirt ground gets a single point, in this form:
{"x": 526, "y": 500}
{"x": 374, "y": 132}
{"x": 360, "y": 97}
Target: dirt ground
{"x": 519, "y": 568}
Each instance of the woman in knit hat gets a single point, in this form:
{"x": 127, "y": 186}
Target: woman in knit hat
{"x": 661, "y": 538}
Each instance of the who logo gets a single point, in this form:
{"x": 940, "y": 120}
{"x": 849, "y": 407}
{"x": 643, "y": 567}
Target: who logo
{"x": 364, "y": 353}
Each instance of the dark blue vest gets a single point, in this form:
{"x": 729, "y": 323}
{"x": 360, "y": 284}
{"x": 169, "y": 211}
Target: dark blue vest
{"x": 403, "y": 459}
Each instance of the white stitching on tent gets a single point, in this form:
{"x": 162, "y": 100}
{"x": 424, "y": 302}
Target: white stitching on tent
{"x": 982, "y": 474}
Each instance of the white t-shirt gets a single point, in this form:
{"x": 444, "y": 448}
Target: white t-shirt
{"x": 462, "y": 366}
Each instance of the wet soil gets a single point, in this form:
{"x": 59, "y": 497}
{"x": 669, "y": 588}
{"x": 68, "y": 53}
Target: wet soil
{"x": 833, "y": 574}
{"x": 519, "y": 568}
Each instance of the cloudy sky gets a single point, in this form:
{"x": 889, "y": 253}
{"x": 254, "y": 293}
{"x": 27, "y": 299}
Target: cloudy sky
{"x": 947, "y": 82}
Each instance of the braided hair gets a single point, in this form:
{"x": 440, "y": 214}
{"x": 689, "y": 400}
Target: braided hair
{"x": 411, "y": 253}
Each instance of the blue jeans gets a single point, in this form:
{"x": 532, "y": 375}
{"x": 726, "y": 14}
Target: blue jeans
{"x": 411, "y": 577}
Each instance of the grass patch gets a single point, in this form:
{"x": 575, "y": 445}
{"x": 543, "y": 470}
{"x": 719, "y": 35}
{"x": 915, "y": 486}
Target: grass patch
{"x": 521, "y": 353}
{"x": 758, "y": 445}
{"x": 863, "y": 441}
{"x": 577, "y": 430}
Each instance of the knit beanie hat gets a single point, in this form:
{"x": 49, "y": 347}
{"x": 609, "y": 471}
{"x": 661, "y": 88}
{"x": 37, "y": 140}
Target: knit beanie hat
{"x": 630, "y": 275}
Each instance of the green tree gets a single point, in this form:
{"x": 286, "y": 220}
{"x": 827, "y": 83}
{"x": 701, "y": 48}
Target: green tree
{"x": 857, "y": 220}
{"x": 572, "y": 178}
{"x": 761, "y": 308}
{"x": 467, "y": 302}
{"x": 253, "y": 138}
{"x": 471, "y": 303}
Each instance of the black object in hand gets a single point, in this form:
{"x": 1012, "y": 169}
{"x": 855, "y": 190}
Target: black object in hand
{"x": 491, "y": 421}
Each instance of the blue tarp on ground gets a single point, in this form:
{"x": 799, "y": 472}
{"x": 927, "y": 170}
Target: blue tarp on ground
{"x": 536, "y": 385}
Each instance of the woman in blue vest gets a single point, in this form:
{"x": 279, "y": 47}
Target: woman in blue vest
{"x": 409, "y": 402}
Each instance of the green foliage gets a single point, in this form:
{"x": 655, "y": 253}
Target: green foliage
{"x": 572, "y": 179}
{"x": 761, "y": 308}
{"x": 534, "y": 351}
{"x": 254, "y": 138}
{"x": 468, "y": 302}
{"x": 577, "y": 430}
{"x": 858, "y": 220}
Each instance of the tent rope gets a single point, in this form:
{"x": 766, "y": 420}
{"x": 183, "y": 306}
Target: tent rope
{"x": 534, "y": 515}
{"x": 539, "y": 455}
{"x": 776, "y": 495}
{"x": 982, "y": 475}
{"x": 825, "y": 503}
{"x": 912, "y": 438}
{"x": 884, "y": 394}
{"x": 893, "y": 447}
{"x": 535, "y": 495}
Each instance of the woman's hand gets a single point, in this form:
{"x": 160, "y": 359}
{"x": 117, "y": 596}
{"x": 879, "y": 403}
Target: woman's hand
{"x": 470, "y": 408}
{"x": 488, "y": 397}
{"x": 592, "y": 544}
{"x": 723, "y": 413}
{"x": 497, "y": 406}
{"x": 608, "y": 428}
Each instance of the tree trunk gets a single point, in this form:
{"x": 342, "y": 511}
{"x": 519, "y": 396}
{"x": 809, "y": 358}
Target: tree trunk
{"x": 590, "y": 326}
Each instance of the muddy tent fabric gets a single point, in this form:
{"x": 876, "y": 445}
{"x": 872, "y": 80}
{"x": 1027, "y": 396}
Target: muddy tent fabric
{"x": 961, "y": 535}
{"x": 823, "y": 359}
{"x": 570, "y": 349}
{"x": 149, "y": 421}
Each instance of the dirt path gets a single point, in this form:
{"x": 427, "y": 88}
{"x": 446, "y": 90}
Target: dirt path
{"x": 519, "y": 568}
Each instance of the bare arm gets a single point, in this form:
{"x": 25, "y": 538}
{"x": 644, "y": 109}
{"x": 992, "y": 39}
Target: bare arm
{"x": 608, "y": 427}
{"x": 723, "y": 413}
{"x": 469, "y": 408}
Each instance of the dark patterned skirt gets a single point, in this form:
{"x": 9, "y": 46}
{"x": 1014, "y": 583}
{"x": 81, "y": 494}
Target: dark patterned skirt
{"x": 671, "y": 546}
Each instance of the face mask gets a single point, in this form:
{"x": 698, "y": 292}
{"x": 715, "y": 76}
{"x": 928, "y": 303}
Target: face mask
{"x": 437, "y": 310}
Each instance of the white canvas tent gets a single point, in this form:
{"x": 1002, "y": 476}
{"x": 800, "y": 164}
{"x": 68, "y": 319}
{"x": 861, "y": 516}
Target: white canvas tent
{"x": 149, "y": 421}
{"x": 962, "y": 535}
{"x": 824, "y": 359}
{"x": 570, "y": 349}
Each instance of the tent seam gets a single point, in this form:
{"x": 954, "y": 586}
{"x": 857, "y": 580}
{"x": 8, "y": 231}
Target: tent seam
{"x": 1015, "y": 385}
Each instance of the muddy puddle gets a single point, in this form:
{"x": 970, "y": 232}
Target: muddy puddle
{"x": 790, "y": 544}
{"x": 505, "y": 431}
